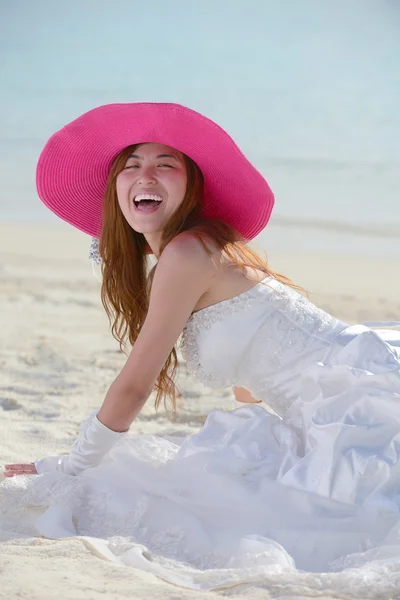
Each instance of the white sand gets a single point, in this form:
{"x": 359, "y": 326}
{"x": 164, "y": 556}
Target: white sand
{"x": 57, "y": 360}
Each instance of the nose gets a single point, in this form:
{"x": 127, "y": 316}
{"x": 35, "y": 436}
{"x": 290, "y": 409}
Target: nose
{"x": 147, "y": 174}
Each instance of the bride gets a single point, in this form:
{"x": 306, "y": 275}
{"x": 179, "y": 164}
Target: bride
{"x": 311, "y": 481}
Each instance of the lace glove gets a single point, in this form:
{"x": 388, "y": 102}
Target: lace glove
{"x": 94, "y": 441}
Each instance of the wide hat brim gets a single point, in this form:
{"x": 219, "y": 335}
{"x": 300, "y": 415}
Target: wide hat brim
{"x": 74, "y": 165}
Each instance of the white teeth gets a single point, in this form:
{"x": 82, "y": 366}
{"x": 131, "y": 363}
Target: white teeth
{"x": 147, "y": 197}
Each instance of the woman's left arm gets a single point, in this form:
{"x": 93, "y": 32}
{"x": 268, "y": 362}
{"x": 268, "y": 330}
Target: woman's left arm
{"x": 243, "y": 395}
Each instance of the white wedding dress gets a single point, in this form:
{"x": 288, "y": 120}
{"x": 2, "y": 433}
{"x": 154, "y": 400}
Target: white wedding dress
{"x": 311, "y": 482}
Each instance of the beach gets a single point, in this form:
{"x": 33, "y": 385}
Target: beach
{"x": 58, "y": 359}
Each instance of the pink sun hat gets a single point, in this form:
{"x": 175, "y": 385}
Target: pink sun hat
{"x": 74, "y": 165}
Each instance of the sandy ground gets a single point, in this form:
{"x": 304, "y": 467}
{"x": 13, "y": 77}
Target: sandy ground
{"x": 57, "y": 360}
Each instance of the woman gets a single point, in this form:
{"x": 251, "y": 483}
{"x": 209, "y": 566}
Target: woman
{"x": 162, "y": 180}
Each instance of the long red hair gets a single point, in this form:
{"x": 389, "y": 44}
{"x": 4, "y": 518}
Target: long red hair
{"x": 127, "y": 276}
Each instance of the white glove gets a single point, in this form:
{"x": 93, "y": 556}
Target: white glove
{"x": 93, "y": 443}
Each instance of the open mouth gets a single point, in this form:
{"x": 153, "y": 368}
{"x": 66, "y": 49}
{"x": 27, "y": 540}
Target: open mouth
{"x": 147, "y": 202}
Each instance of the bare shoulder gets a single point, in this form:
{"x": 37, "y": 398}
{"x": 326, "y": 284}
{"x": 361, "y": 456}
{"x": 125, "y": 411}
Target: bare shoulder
{"x": 184, "y": 273}
{"x": 187, "y": 253}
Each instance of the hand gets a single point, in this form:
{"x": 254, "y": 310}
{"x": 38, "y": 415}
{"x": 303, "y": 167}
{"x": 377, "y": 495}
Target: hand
{"x": 26, "y": 469}
{"x": 94, "y": 441}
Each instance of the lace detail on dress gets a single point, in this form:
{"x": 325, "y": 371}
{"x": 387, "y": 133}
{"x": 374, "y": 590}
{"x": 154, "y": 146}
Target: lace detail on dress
{"x": 205, "y": 319}
{"x": 292, "y": 328}
{"x": 291, "y": 324}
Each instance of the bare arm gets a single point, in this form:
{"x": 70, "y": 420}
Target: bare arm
{"x": 184, "y": 273}
{"x": 243, "y": 395}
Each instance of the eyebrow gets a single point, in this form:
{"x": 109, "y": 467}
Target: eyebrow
{"x": 158, "y": 156}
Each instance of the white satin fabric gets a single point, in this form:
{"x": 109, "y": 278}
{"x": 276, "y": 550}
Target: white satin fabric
{"x": 309, "y": 483}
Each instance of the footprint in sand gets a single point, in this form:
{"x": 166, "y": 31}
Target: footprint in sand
{"x": 9, "y": 404}
{"x": 23, "y": 391}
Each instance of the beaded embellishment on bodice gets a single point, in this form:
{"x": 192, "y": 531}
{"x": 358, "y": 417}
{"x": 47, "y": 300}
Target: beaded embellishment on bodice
{"x": 249, "y": 339}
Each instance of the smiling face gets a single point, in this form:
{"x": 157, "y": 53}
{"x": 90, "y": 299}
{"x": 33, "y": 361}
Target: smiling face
{"x": 151, "y": 186}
